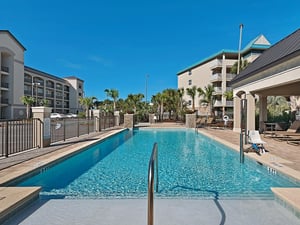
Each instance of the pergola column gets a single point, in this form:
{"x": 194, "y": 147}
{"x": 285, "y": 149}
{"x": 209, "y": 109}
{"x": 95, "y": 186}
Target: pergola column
{"x": 250, "y": 112}
{"x": 237, "y": 114}
{"x": 263, "y": 112}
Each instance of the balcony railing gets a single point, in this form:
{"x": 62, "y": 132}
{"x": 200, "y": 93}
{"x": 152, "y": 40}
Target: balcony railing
{"x": 217, "y": 90}
{"x": 4, "y": 85}
{"x": 216, "y": 63}
{"x": 230, "y": 76}
{"x": 5, "y": 69}
{"x": 4, "y": 100}
{"x": 59, "y": 87}
{"x": 216, "y": 77}
{"x": 27, "y": 92}
{"x": 50, "y": 95}
{"x": 27, "y": 80}
{"x": 49, "y": 85}
{"x": 218, "y": 103}
{"x": 229, "y": 103}
{"x": 66, "y": 88}
{"x": 228, "y": 88}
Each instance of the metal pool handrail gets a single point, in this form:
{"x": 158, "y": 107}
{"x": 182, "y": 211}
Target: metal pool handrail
{"x": 153, "y": 158}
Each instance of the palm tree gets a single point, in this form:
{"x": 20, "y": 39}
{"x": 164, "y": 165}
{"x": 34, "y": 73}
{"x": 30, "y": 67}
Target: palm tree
{"x": 28, "y": 101}
{"x": 114, "y": 94}
{"x": 87, "y": 102}
{"x": 171, "y": 101}
{"x": 180, "y": 95}
{"x": 277, "y": 105}
{"x": 207, "y": 96}
{"x": 243, "y": 65}
{"x": 192, "y": 93}
{"x": 228, "y": 95}
{"x": 133, "y": 100}
{"x": 158, "y": 101}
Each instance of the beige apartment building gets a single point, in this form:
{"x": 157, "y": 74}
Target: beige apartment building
{"x": 17, "y": 80}
{"x": 216, "y": 70}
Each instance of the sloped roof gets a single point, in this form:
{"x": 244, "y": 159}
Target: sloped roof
{"x": 260, "y": 42}
{"x": 35, "y": 71}
{"x": 223, "y": 51}
{"x": 279, "y": 52}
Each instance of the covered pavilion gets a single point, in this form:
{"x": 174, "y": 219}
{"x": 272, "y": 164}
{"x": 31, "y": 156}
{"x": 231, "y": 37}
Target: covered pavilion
{"x": 275, "y": 73}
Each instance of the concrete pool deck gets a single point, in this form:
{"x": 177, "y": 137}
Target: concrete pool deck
{"x": 276, "y": 158}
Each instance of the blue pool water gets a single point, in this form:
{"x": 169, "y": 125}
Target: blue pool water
{"x": 190, "y": 166}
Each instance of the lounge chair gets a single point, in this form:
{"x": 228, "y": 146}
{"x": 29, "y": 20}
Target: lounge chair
{"x": 292, "y": 132}
{"x": 255, "y": 140}
{"x": 294, "y": 141}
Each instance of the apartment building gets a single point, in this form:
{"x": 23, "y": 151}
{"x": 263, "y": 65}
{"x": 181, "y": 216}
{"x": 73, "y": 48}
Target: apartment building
{"x": 17, "y": 80}
{"x": 216, "y": 70}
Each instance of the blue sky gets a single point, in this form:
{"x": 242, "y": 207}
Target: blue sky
{"x": 116, "y": 44}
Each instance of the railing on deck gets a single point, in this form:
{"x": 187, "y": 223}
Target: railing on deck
{"x": 19, "y": 135}
{"x": 153, "y": 159}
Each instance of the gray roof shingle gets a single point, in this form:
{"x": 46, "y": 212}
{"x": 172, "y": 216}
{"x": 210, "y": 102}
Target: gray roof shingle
{"x": 282, "y": 50}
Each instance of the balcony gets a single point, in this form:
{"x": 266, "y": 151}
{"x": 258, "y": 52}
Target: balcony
{"x": 51, "y": 95}
{"x": 5, "y": 69}
{"x": 228, "y": 88}
{"x": 59, "y": 87}
{"x": 218, "y": 103}
{"x": 229, "y": 103}
{"x": 230, "y": 76}
{"x": 49, "y": 85}
{"x": 216, "y": 63}
{"x": 4, "y": 100}
{"x": 4, "y": 85}
{"x": 217, "y": 90}
{"x": 59, "y": 96}
{"x": 27, "y": 80}
{"x": 27, "y": 92}
{"x": 215, "y": 77}
{"x": 66, "y": 88}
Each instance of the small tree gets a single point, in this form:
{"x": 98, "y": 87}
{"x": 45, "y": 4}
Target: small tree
{"x": 87, "y": 102}
{"x": 114, "y": 94}
{"x": 207, "y": 96}
{"x": 28, "y": 101}
{"x": 192, "y": 93}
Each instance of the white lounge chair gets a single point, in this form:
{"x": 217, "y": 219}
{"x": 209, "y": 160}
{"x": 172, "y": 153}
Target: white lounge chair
{"x": 255, "y": 140}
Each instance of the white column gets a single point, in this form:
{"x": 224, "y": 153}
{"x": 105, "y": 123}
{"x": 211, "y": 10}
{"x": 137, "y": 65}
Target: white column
{"x": 250, "y": 112}
{"x": 43, "y": 135}
{"x": 237, "y": 114}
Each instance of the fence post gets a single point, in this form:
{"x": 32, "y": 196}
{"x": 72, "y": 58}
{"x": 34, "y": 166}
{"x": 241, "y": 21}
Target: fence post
{"x": 6, "y": 139}
{"x": 43, "y": 132}
{"x": 78, "y": 121}
{"x": 64, "y": 119}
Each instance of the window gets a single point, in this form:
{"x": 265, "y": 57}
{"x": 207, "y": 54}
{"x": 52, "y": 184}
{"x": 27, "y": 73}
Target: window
{"x": 190, "y": 72}
{"x": 190, "y": 102}
{"x": 190, "y": 82}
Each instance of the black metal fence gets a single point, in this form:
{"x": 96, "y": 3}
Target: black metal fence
{"x": 24, "y": 134}
{"x": 62, "y": 129}
{"x": 19, "y": 135}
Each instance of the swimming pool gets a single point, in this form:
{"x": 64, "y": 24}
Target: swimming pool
{"x": 190, "y": 166}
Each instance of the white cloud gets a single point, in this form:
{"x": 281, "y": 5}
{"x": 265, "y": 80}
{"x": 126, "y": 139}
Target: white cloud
{"x": 100, "y": 60}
